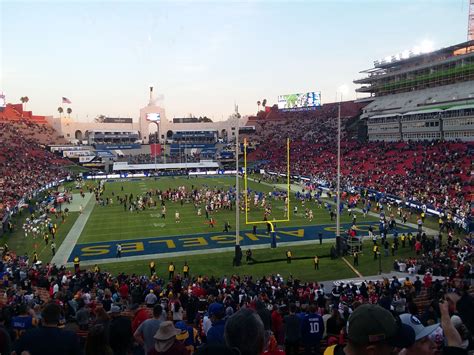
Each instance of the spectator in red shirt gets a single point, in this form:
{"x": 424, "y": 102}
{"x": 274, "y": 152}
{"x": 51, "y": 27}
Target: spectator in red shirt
{"x": 123, "y": 291}
{"x": 277, "y": 324}
{"x": 428, "y": 280}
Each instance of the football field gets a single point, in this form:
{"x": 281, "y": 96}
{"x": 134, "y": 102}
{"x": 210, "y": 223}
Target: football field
{"x": 93, "y": 235}
{"x": 145, "y": 234}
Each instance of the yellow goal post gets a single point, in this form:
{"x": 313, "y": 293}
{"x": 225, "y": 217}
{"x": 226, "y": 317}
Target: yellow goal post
{"x": 287, "y": 188}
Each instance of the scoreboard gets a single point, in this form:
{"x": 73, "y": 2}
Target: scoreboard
{"x": 299, "y": 101}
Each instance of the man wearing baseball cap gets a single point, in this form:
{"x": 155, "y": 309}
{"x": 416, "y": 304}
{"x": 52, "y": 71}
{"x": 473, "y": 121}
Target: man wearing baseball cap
{"x": 423, "y": 344}
{"x": 215, "y": 335}
{"x": 373, "y": 330}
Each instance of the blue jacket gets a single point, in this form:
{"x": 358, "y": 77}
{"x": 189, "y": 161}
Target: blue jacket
{"x": 215, "y": 335}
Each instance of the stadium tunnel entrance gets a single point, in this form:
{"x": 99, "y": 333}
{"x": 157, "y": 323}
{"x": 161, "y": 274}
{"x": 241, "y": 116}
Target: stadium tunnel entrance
{"x": 78, "y": 135}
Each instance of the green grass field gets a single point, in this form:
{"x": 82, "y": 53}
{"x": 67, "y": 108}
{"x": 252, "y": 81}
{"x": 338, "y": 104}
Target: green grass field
{"x": 113, "y": 223}
{"x": 109, "y": 223}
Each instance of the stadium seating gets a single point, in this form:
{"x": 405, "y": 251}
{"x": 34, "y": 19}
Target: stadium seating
{"x": 438, "y": 173}
{"x": 421, "y": 99}
{"x": 25, "y": 164}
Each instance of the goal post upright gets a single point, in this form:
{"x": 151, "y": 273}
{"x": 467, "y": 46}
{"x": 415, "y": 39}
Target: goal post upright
{"x": 271, "y": 223}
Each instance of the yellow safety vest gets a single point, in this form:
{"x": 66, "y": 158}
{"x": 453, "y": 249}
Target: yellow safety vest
{"x": 330, "y": 350}
{"x": 185, "y": 268}
{"x": 288, "y": 254}
{"x": 171, "y": 268}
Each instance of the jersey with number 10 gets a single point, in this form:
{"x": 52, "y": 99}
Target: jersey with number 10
{"x": 312, "y": 328}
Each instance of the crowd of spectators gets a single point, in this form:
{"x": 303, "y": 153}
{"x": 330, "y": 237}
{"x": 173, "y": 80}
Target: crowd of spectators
{"x": 125, "y": 314}
{"x": 431, "y": 172}
{"x": 25, "y": 164}
{"x": 96, "y": 312}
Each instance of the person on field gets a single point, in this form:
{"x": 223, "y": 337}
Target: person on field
{"x": 171, "y": 271}
{"x": 152, "y": 268}
{"x": 186, "y": 270}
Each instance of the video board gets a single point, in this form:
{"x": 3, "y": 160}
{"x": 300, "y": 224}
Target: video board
{"x": 299, "y": 101}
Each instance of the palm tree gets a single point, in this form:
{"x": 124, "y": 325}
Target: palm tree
{"x": 69, "y": 111}
{"x": 258, "y": 104}
{"x": 60, "y": 110}
{"x": 24, "y": 100}
{"x": 264, "y": 103}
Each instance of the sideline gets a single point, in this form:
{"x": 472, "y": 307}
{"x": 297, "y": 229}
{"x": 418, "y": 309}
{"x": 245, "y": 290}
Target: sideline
{"x": 296, "y": 188}
{"x": 69, "y": 242}
{"x": 191, "y": 252}
{"x": 352, "y": 267}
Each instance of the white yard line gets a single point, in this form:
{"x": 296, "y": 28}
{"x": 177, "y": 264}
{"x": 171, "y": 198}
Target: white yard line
{"x": 72, "y": 237}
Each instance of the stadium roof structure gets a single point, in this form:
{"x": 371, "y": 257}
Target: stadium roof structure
{"x": 410, "y": 72}
{"x": 457, "y": 49}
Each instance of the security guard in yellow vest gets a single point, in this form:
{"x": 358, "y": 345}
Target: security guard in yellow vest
{"x": 76, "y": 264}
{"x": 171, "y": 270}
{"x": 186, "y": 270}
{"x": 403, "y": 239}
{"x": 152, "y": 267}
{"x": 288, "y": 256}
{"x": 96, "y": 268}
{"x": 316, "y": 263}
{"x": 375, "y": 249}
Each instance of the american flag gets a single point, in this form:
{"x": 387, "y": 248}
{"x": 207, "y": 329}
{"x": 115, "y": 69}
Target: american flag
{"x": 66, "y": 100}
